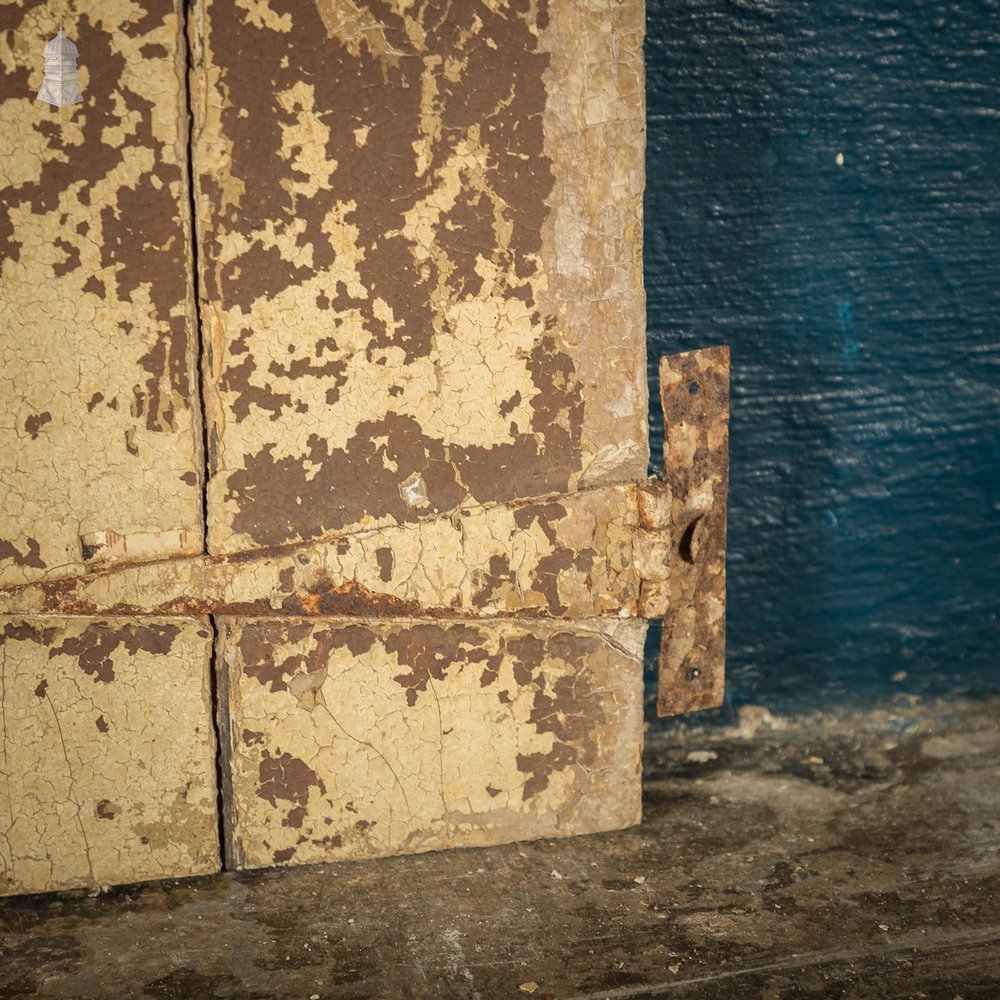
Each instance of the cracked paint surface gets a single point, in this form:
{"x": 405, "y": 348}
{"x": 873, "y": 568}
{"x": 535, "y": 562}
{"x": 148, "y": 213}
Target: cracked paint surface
{"x": 571, "y": 556}
{"x": 422, "y": 275}
{"x": 375, "y": 738}
{"x": 422, "y": 331}
{"x": 106, "y": 752}
{"x": 96, "y": 350}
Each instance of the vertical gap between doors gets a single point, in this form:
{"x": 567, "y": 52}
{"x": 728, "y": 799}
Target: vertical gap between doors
{"x": 189, "y": 26}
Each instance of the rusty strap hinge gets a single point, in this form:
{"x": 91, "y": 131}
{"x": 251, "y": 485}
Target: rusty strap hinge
{"x": 654, "y": 549}
{"x": 682, "y": 555}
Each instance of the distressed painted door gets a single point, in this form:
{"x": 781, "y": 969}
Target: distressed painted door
{"x": 107, "y": 770}
{"x": 407, "y": 299}
{"x": 322, "y": 465}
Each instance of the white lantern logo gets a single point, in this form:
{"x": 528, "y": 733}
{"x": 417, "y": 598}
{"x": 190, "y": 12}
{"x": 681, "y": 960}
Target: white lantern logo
{"x": 59, "y": 87}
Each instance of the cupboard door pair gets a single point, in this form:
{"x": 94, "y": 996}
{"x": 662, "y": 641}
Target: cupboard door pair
{"x": 322, "y": 339}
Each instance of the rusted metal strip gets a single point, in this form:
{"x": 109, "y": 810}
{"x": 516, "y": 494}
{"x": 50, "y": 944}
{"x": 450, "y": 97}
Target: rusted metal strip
{"x": 694, "y": 391}
{"x": 569, "y": 556}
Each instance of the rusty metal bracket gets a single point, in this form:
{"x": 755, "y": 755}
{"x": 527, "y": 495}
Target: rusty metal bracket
{"x": 684, "y": 518}
{"x": 564, "y": 556}
{"x": 654, "y": 549}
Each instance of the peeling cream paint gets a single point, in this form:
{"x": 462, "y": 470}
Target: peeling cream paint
{"x": 374, "y": 738}
{"x": 90, "y": 792}
{"x": 423, "y": 375}
{"x": 396, "y": 302}
{"x": 571, "y": 556}
{"x": 96, "y": 350}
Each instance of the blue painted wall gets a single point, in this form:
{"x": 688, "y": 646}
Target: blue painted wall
{"x": 861, "y": 300}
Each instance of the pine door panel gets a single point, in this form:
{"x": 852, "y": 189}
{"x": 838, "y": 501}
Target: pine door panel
{"x": 100, "y": 426}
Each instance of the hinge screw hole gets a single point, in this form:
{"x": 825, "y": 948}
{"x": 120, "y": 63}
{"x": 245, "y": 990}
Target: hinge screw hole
{"x": 685, "y": 547}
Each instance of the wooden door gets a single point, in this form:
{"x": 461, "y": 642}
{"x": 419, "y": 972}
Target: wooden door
{"x": 108, "y": 750}
{"x": 326, "y": 455}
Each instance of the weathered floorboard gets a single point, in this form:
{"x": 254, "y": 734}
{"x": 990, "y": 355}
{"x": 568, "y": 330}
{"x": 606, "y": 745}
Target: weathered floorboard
{"x": 853, "y": 856}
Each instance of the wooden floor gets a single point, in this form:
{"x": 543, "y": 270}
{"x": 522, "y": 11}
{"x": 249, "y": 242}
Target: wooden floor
{"x": 852, "y": 856}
